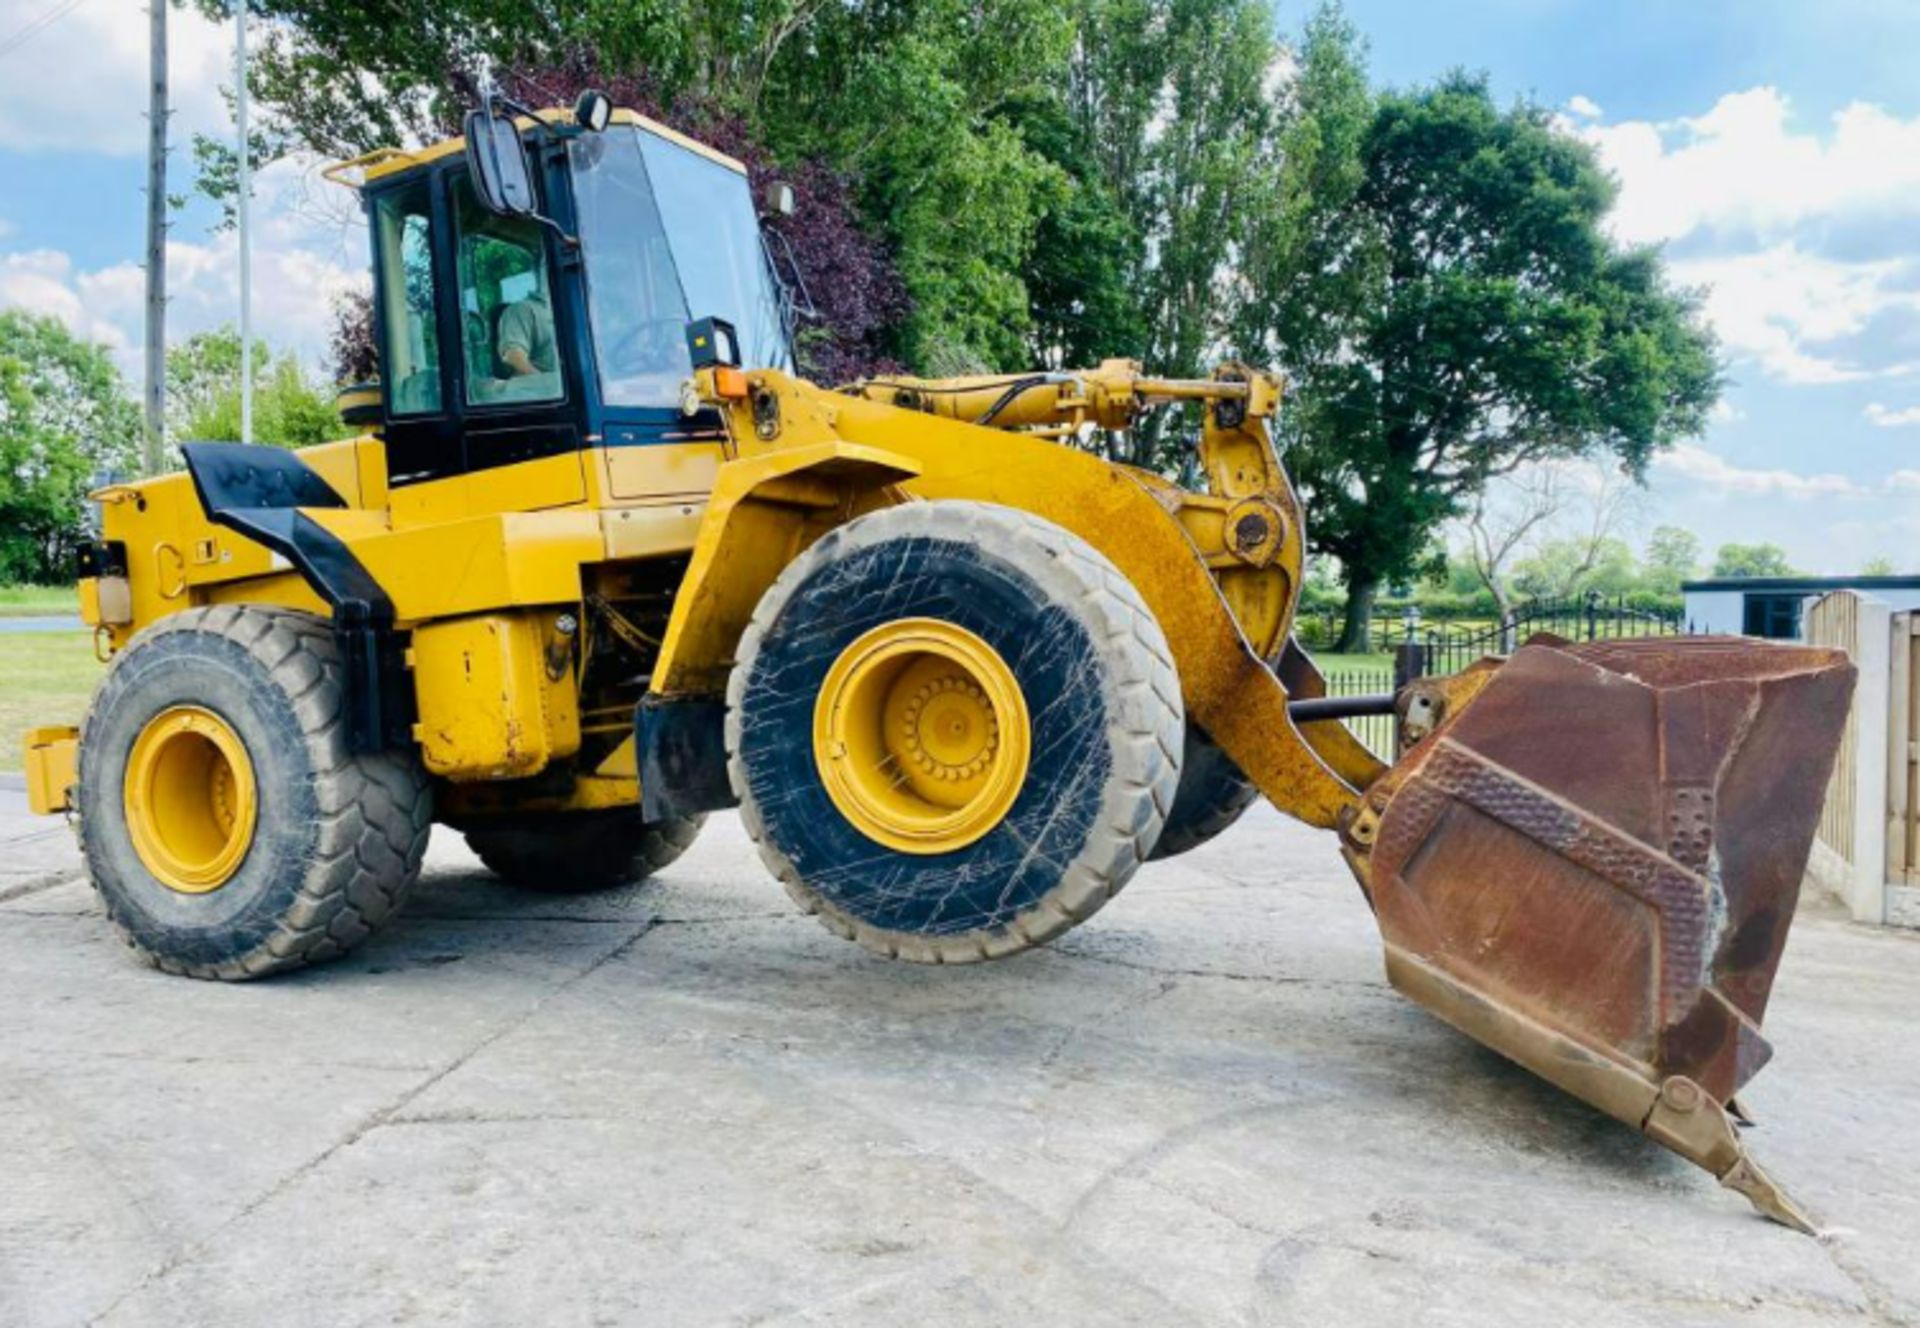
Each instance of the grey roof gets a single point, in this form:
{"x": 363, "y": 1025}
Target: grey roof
{"x": 1805, "y": 585}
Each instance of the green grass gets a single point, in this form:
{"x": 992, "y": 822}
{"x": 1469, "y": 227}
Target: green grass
{"x": 1329, "y": 662}
{"x": 37, "y": 601}
{"x": 45, "y": 678}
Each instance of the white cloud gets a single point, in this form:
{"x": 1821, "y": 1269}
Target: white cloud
{"x": 43, "y": 281}
{"x": 1904, "y": 481}
{"x": 1584, "y": 107}
{"x": 1758, "y": 201}
{"x": 1712, "y": 472}
{"x": 1785, "y": 307}
{"x": 6, "y": 228}
{"x": 1888, "y": 418}
{"x": 1741, "y": 164}
{"x": 80, "y": 83}
{"x": 307, "y": 247}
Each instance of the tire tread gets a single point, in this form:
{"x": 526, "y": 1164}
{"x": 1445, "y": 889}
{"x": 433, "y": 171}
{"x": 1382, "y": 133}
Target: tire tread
{"x": 1147, "y": 753}
{"x": 368, "y": 850}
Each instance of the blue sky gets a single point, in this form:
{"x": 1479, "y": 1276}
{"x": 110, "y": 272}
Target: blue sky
{"x": 1771, "y": 146}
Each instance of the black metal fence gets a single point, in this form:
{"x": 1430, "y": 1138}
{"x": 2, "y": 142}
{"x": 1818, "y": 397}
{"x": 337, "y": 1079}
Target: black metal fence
{"x": 1450, "y": 647}
{"x": 1414, "y": 651}
{"x": 1376, "y": 731}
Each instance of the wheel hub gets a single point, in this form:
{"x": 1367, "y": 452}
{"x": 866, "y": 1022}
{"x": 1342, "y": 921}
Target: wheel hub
{"x": 190, "y": 799}
{"x": 921, "y": 735}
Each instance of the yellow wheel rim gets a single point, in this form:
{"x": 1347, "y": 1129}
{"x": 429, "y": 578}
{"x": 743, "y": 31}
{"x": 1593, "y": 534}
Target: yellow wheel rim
{"x": 921, "y": 736}
{"x": 190, "y": 799}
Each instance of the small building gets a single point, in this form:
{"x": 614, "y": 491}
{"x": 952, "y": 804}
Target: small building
{"x": 1775, "y": 606}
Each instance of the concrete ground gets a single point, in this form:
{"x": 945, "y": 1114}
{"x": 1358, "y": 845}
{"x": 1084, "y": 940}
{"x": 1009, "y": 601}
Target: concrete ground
{"x": 686, "y": 1104}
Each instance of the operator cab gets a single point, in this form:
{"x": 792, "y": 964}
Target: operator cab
{"x": 532, "y": 294}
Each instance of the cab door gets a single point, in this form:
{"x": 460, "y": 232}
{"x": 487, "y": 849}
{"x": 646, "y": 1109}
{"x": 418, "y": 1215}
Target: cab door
{"x": 485, "y": 407}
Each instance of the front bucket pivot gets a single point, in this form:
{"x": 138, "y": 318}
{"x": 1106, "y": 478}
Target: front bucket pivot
{"x": 1591, "y": 866}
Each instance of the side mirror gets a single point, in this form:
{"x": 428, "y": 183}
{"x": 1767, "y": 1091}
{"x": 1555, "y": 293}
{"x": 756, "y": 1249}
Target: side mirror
{"x": 777, "y": 200}
{"x": 712, "y": 342}
{"x": 593, "y": 111}
{"x": 497, "y": 163}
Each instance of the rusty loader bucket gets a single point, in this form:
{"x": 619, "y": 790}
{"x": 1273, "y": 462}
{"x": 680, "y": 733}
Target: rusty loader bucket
{"x": 1591, "y": 861}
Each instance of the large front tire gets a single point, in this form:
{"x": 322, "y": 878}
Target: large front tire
{"x": 228, "y": 829}
{"x": 954, "y": 729}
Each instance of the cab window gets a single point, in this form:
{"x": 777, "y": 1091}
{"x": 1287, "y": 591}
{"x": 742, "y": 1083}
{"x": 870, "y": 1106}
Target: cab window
{"x": 412, "y": 349}
{"x": 506, "y": 308}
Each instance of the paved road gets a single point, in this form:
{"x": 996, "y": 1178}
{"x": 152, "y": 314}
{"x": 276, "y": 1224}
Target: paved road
{"x": 684, "y": 1104}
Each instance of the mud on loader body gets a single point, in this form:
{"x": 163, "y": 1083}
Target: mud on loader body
{"x": 603, "y": 565}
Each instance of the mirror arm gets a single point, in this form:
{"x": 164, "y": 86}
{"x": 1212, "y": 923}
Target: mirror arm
{"x": 548, "y": 126}
{"x": 571, "y": 241}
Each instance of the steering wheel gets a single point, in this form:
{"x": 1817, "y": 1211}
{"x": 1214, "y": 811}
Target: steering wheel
{"x": 640, "y": 346}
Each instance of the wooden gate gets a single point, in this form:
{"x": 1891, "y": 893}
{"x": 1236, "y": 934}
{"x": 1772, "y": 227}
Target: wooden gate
{"x": 1835, "y": 621}
{"x": 1868, "y": 849}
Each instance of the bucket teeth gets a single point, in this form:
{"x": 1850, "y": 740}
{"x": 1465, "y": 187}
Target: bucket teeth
{"x": 1765, "y": 1194}
{"x": 1693, "y": 1125}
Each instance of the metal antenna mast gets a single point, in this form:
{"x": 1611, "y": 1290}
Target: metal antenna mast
{"x": 156, "y": 384}
{"x": 245, "y": 182}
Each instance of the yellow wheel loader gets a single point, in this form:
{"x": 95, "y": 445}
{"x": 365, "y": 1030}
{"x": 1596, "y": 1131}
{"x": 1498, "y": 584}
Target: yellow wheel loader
{"x": 602, "y": 565}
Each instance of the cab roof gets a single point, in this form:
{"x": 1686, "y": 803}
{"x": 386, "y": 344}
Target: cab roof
{"x": 384, "y": 163}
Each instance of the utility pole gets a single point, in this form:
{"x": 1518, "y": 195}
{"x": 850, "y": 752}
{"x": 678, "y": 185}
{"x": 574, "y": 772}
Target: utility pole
{"x": 156, "y": 384}
{"x": 245, "y": 182}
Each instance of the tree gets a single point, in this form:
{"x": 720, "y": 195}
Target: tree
{"x": 203, "y": 395}
{"x": 1505, "y": 514}
{"x": 1608, "y": 502}
{"x": 1751, "y": 560}
{"x": 1164, "y": 130}
{"x": 352, "y": 356}
{"x": 906, "y": 103}
{"x": 1566, "y": 568}
{"x": 1879, "y": 565}
{"x": 1083, "y": 296}
{"x": 65, "y": 421}
{"x": 1673, "y": 554}
{"x": 1435, "y": 278}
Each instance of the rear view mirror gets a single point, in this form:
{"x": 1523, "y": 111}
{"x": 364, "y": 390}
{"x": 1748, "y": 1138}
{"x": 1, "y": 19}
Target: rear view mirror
{"x": 777, "y": 200}
{"x": 497, "y": 163}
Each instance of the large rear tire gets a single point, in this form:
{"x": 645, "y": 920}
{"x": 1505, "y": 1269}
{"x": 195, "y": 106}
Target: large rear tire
{"x": 228, "y": 829}
{"x": 568, "y": 853}
{"x": 954, "y": 729}
{"x": 1213, "y": 794}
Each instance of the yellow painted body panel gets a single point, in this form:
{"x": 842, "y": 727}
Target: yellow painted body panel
{"x": 526, "y": 486}
{"x": 52, "y": 768}
{"x": 496, "y": 696}
{"x": 473, "y": 564}
{"x": 661, "y": 472}
{"x": 355, "y": 468}
{"x": 651, "y": 531}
